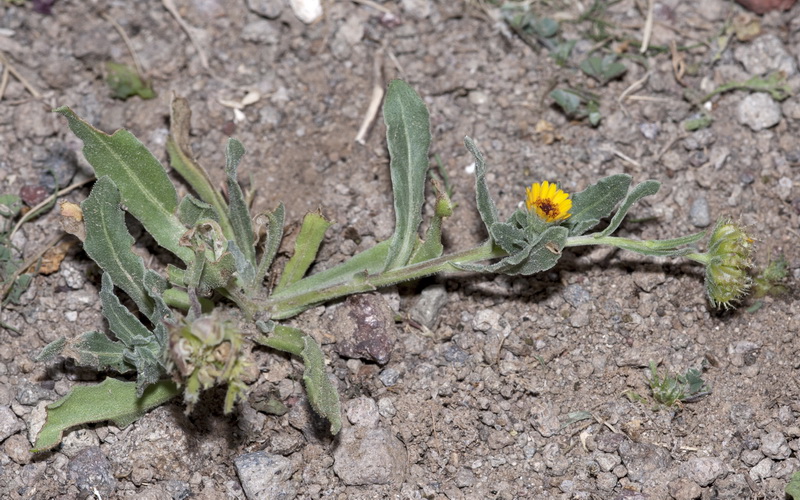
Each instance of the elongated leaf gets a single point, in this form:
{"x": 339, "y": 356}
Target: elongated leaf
{"x": 596, "y": 201}
{"x": 508, "y": 237}
{"x": 646, "y": 188}
{"x": 537, "y": 256}
{"x": 244, "y": 269}
{"x": 486, "y": 206}
{"x": 113, "y": 400}
{"x": 321, "y": 393}
{"x": 182, "y": 159}
{"x": 238, "y": 212}
{"x": 432, "y": 247}
{"x": 274, "y": 224}
{"x": 96, "y": 350}
{"x": 142, "y": 181}
{"x": 306, "y": 247}
{"x": 408, "y": 137}
{"x": 109, "y": 243}
{"x": 129, "y": 330}
{"x": 793, "y": 487}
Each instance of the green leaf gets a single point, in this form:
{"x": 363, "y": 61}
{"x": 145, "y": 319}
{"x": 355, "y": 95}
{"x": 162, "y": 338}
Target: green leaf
{"x": 129, "y": 330}
{"x": 182, "y": 159}
{"x": 643, "y": 189}
{"x": 568, "y": 101}
{"x": 793, "y": 487}
{"x": 21, "y": 284}
{"x": 595, "y": 202}
{"x": 10, "y": 205}
{"x": 508, "y": 236}
{"x": 244, "y": 269}
{"x": 96, "y": 350}
{"x": 306, "y": 247}
{"x": 486, "y": 206}
{"x": 113, "y": 400}
{"x": 239, "y": 213}
{"x": 52, "y": 350}
{"x": 125, "y": 82}
{"x": 144, "y": 186}
{"x": 191, "y": 211}
{"x": 539, "y": 255}
{"x": 432, "y": 247}
{"x": 274, "y": 225}
{"x": 603, "y": 69}
{"x": 109, "y": 243}
{"x": 408, "y": 137}
{"x": 321, "y": 393}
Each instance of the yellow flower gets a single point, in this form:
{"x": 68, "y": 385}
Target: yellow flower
{"x": 551, "y": 203}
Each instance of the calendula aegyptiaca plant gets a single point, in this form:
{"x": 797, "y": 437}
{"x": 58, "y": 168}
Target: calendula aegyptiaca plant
{"x": 181, "y": 347}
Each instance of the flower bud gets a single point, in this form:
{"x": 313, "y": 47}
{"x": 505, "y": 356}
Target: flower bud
{"x": 727, "y": 279}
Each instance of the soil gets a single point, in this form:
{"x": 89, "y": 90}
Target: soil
{"x": 517, "y": 386}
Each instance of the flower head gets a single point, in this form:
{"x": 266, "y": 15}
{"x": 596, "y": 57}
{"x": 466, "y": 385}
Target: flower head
{"x": 550, "y": 203}
{"x": 729, "y": 251}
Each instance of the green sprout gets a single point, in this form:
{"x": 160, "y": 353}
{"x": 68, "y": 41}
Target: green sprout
{"x": 177, "y": 340}
{"x": 671, "y": 390}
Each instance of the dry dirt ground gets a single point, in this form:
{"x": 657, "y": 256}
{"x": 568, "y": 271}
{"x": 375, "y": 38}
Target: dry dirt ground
{"x": 484, "y": 401}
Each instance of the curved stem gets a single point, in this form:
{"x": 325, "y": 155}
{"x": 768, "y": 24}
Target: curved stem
{"x": 283, "y": 306}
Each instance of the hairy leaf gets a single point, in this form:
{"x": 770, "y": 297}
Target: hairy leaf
{"x": 274, "y": 225}
{"x": 191, "y": 211}
{"x": 182, "y": 159}
{"x": 238, "y": 212}
{"x": 486, "y": 206}
{"x": 142, "y": 181}
{"x": 321, "y": 393}
{"x": 408, "y": 137}
{"x": 646, "y": 188}
{"x": 595, "y": 202}
{"x": 109, "y": 243}
{"x": 112, "y": 399}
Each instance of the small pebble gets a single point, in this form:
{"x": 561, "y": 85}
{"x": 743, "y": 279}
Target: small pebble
{"x": 759, "y": 111}
{"x": 699, "y": 215}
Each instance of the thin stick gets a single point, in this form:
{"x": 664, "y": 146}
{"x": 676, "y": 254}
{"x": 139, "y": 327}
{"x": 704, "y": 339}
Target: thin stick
{"x": 631, "y": 89}
{"x": 374, "y": 5}
{"x": 648, "y": 27}
{"x": 28, "y": 263}
{"x": 623, "y": 156}
{"x": 4, "y": 81}
{"x": 375, "y": 100}
{"x": 170, "y": 6}
{"x": 136, "y": 63}
{"x": 35, "y": 93}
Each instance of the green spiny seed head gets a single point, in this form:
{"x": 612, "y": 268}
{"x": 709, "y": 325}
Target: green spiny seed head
{"x": 208, "y": 352}
{"x": 727, "y": 279}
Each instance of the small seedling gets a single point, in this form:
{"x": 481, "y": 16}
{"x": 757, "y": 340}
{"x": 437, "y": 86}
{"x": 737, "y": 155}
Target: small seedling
{"x": 603, "y": 69}
{"x": 671, "y": 390}
{"x": 125, "y": 82}
{"x": 578, "y": 105}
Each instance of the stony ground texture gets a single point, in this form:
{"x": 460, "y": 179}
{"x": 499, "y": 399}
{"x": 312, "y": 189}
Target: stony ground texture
{"x": 483, "y": 389}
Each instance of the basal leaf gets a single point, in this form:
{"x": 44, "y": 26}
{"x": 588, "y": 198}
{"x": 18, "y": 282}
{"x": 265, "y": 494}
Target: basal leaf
{"x": 129, "y": 330}
{"x": 112, "y": 399}
{"x": 239, "y": 214}
{"x": 142, "y": 181}
{"x": 182, "y": 159}
{"x": 408, "y": 137}
{"x": 274, "y": 225}
{"x": 306, "y": 247}
{"x": 596, "y": 201}
{"x": 109, "y": 243}
{"x": 96, "y": 350}
{"x": 486, "y": 206}
{"x": 321, "y": 393}
{"x": 646, "y": 188}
